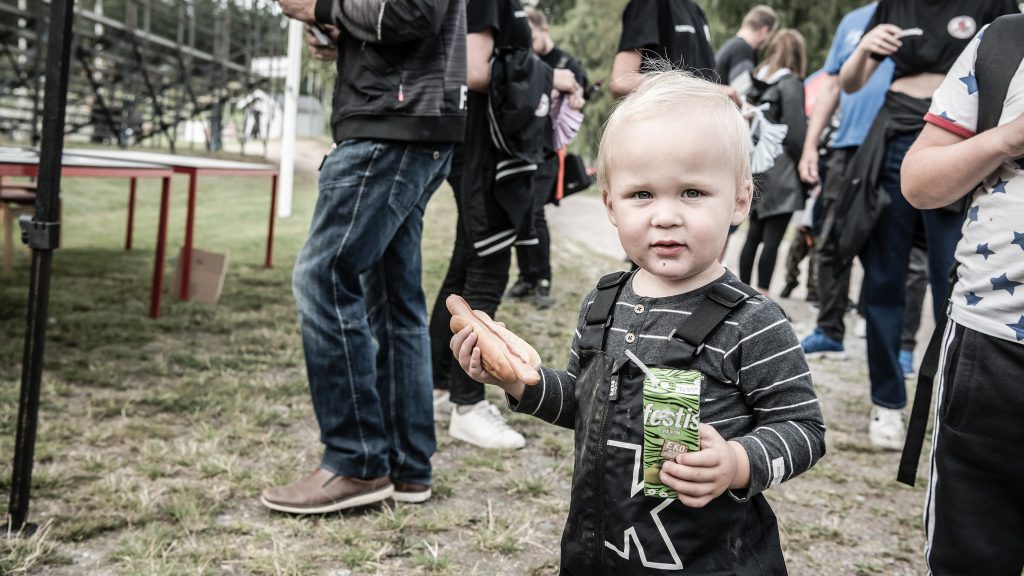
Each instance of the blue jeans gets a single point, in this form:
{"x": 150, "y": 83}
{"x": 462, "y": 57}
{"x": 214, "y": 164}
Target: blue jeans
{"x": 886, "y": 257}
{"x": 362, "y": 310}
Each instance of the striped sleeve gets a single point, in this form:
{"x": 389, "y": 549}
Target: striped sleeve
{"x": 554, "y": 398}
{"x": 788, "y": 434}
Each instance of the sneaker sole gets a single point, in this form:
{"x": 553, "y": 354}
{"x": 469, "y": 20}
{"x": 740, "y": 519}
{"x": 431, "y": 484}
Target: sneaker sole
{"x": 412, "y": 497}
{"x": 353, "y": 502}
{"x": 467, "y": 440}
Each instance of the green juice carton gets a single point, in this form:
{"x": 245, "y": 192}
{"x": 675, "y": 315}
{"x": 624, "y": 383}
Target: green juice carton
{"x": 671, "y": 414}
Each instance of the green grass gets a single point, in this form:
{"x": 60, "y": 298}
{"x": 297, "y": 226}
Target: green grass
{"x": 155, "y": 437}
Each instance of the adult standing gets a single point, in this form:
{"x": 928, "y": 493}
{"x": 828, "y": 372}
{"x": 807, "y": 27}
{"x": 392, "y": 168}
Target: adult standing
{"x": 672, "y": 30}
{"x": 493, "y": 196}
{"x": 398, "y": 108}
{"x": 856, "y": 113}
{"x": 776, "y": 85}
{"x": 974, "y": 513}
{"x": 534, "y": 260}
{"x": 737, "y": 57}
{"x": 923, "y": 39}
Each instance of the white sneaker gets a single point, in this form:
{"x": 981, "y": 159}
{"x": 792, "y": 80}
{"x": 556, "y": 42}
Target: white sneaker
{"x": 442, "y": 406}
{"x": 886, "y": 430}
{"x": 483, "y": 426}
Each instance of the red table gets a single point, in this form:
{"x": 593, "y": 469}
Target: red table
{"x": 194, "y": 167}
{"x": 25, "y": 163}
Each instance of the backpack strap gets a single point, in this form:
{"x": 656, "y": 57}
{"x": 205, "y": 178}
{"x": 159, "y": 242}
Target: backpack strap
{"x": 999, "y": 55}
{"x": 687, "y": 341}
{"x": 600, "y": 312}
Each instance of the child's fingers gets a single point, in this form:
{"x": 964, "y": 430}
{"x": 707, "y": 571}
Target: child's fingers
{"x": 687, "y": 473}
{"x": 692, "y": 494}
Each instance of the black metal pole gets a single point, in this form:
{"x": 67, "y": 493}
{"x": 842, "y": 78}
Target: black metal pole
{"x": 43, "y": 235}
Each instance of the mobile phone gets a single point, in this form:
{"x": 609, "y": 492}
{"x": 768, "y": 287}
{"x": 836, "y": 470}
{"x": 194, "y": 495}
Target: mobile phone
{"x": 322, "y": 37}
{"x": 910, "y": 32}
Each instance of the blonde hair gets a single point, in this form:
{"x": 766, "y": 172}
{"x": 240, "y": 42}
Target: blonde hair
{"x": 669, "y": 92}
{"x": 786, "y": 50}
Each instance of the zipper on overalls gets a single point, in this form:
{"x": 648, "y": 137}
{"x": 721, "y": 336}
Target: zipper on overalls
{"x": 613, "y": 395}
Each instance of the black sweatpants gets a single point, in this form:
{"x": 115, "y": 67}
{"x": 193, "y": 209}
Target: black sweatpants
{"x": 974, "y": 512}
{"x": 535, "y": 260}
{"x": 480, "y": 280}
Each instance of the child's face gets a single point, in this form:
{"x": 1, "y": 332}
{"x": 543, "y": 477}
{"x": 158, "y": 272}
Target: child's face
{"x": 673, "y": 193}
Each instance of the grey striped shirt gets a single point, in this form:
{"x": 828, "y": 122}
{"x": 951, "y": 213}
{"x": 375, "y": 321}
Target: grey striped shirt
{"x": 757, "y": 389}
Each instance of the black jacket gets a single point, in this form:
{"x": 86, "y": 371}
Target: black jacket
{"x": 862, "y": 198}
{"x": 779, "y": 188}
{"x": 401, "y": 69}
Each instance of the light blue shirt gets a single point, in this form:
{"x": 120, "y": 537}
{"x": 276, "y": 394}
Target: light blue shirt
{"x": 856, "y": 111}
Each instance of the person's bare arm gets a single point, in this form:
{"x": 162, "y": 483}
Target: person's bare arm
{"x": 941, "y": 166}
{"x": 824, "y": 107}
{"x": 479, "y": 48}
{"x": 857, "y": 70}
{"x": 626, "y": 73}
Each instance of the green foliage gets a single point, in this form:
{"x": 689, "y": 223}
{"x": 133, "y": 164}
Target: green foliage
{"x": 590, "y": 31}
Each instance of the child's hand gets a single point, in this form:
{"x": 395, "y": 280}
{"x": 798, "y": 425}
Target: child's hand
{"x": 700, "y": 477}
{"x": 463, "y": 345}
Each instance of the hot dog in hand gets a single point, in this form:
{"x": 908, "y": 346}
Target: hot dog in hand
{"x": 504, "y": 355}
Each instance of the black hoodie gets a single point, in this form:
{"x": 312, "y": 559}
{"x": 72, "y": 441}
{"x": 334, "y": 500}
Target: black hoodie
{"x": 401, "y": 69}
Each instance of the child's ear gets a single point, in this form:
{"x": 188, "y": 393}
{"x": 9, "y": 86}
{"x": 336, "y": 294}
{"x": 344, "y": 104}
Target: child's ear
{"x": 742, "y": 207}
{"x": 607, "y": 199}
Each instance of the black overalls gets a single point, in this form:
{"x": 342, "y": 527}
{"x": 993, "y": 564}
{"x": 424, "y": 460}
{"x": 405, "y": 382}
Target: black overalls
{"x": 612, "y": 528}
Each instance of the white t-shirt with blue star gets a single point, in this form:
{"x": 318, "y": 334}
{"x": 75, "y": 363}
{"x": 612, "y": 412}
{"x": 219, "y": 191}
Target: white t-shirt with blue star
{"x": 989, "y": 294}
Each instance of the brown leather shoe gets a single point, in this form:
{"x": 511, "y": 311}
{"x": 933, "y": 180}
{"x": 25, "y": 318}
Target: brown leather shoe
{"x": 410, "y": 492}
{"x": 323, "y": 491}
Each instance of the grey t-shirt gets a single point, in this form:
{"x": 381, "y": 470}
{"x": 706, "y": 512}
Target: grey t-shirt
{"x": 734, "y": 58}
{"x": 758, "y": 385}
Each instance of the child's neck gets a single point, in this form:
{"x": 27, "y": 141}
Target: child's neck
{"x": 650, "y": 285}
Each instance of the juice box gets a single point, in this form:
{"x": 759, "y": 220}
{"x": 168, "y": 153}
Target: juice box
{"x": 671, "y": 415}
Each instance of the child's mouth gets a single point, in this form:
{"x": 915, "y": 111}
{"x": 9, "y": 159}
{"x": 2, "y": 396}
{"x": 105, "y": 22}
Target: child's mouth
{"x": 667, "y": 248}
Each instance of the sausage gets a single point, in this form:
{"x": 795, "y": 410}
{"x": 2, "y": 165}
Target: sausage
{"x": 504, "y": 355}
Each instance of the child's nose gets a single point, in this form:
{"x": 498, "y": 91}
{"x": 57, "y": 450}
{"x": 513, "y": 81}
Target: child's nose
{"x": 666, "y": 216}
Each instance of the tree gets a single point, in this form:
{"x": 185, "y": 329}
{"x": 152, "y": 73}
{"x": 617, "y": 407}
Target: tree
{"x": 590, "y": 31}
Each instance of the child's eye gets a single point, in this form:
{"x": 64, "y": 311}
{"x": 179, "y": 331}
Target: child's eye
{"x": 642, "y": 195}
{"x": 692, "y": 194}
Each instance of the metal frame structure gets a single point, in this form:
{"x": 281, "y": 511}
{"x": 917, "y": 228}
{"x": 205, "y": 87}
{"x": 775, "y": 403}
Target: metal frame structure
{"x": 129, "y": 82}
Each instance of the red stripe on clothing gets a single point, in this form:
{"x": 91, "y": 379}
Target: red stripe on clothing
{"x": 948, "y": 125}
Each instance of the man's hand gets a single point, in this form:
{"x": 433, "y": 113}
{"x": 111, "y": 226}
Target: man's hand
{"x": 299, "y": 9}
{"x": 318, "y": 50}
{"x": 808, "y": 166}
{"x": 565, "y": 81}
{"x": 700, "y": 477}
{"x": 732, "y": 94}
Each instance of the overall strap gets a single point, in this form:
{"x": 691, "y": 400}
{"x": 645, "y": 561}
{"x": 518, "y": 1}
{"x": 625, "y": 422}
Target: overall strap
{"x": 687, "y": 341}
{"x": 999, "y": 55}
{"x": 600, "y": 312}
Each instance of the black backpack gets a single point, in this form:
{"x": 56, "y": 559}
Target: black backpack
{"x": 519, "y": 104}
{"x": 999, "y": 55}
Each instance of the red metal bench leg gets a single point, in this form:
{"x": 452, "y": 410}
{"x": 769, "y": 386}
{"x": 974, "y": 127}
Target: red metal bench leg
{"x": 161, "y": 251}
